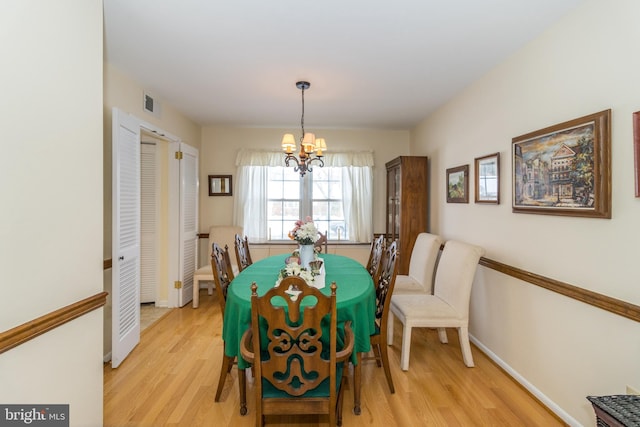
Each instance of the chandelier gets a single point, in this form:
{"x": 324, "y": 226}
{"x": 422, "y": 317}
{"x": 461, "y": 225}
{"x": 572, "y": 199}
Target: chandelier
{"x": 309, "y": 144}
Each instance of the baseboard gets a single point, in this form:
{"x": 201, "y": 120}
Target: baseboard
{"x": 107, "y": 357}
{"x": 553, "y": 407}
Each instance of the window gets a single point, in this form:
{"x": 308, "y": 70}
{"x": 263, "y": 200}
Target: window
{"x": 271, "y": 197}
{"x": 318, "y": 195}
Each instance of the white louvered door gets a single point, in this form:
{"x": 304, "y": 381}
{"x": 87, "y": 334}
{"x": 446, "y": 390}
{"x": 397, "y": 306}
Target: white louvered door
{"x": 189, "y": 184}
{"x": 125, "y": 292}
{"x": 149, "y": 210}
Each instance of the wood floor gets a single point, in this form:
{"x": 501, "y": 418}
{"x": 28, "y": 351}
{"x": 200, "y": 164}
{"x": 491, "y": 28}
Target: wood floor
{"x": 170, "y": 379}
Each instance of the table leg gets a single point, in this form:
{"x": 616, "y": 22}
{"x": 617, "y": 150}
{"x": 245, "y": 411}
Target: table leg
{"x": 357, "y": 379}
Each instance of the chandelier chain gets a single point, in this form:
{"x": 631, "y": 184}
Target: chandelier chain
{"x": 302, "y": 117}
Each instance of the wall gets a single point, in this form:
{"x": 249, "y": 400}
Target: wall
{"x": 50, "y": 187}
{"x": 126, "y": 94}
{"x": 564, "y": 350}
{"x": 220, "y": 145}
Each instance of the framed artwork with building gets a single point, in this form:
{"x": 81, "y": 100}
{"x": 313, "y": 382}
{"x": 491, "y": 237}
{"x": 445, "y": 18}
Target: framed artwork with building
{"x": 564, "y": 169}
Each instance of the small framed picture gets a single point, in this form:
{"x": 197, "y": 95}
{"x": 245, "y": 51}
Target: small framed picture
{"x": 636, "y": 149}
{"x": 220, "y": 185}
{"x": 487, "y": 172}
{"x": 458, "y": 184}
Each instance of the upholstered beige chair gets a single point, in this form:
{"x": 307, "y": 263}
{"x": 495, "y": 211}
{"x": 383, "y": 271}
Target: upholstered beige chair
{"x": 448, "y": 307}
{"x": 224, "y": 235}
{"x": 421, "y": 266}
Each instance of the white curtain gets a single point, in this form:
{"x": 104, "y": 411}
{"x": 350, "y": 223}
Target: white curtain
{"x": 250, "y": 208}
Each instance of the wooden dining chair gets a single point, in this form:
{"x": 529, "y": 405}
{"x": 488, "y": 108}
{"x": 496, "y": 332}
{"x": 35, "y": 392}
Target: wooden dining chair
{"x": 243, "y": 255}
{"x": 217, "y": 233}
{"x": 222, "y": 276}
{"x": 322, "y": 241}
{"x": 293, "y": 349}
{"x": 384, "y": 282}
{"x": 377, "y": 247}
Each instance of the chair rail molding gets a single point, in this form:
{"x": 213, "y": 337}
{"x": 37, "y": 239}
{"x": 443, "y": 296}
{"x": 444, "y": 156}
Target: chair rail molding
{"x": 613, "y": 305}
{"x": 20, "y": 334}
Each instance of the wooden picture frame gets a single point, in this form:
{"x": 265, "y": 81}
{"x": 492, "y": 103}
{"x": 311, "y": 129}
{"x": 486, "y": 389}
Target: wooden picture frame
{"x": 564, "y": 169}
{"x": 636, "y": 149}
{"x": 487, "y": 182}
{"x": 220, "y": 185}
{"x": 458, "y": 184}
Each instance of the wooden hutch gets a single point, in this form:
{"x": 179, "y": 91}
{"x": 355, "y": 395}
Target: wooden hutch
{"x": 407, "y": 196}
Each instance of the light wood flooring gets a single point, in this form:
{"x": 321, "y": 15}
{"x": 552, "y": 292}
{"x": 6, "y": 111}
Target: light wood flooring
{"x": 170, "y": 379}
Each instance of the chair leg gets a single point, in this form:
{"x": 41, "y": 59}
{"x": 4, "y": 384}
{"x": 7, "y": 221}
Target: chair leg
{"x": 376, "y": 352}
{"x": 357, "y": 378}
{"x": 332, "y": 416}
{"x": 390, "y": 329}
{"x": 463, "y": 336}
{"x": 196, "y": 293}
{"x": 339, "y": 403}
{"x": 210, "y": 288}
{"x": 242, "y": 385}
{"x": 442, "y": 335}
{"x": 227, "y": 362}
{"x": 406, "y": 347}
{"x": 385, "y": 365}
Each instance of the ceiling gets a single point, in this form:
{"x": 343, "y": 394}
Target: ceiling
{"x": 371, "y": 63}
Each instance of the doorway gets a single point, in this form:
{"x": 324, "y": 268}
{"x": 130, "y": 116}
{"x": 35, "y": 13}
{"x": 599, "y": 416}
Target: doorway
{"x": 169, "y": 224}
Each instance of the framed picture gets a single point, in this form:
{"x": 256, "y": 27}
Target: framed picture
{"x": 636, "y": 149}
{"x": 564, "y": 169}
{"x": 487, "y": 172}
{"x": 458, "y": 184}
{"x": 220, "y": 185}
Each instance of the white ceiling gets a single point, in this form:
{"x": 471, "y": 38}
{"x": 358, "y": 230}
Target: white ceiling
{"x": 371, "y": 63}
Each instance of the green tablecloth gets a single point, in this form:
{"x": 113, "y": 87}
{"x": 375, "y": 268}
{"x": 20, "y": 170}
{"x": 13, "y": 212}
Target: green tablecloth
{"x": 355, "y": 295}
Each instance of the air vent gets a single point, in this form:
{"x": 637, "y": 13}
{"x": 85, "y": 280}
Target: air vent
{"x": 150, "y": 105}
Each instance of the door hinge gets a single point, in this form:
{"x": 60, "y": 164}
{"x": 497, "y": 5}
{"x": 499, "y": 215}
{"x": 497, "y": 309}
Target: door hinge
{"x": 177, "y": 284}
{"x": 179, "y": 155}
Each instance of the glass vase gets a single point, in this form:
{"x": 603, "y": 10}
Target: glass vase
{"x": 307, "y": 254}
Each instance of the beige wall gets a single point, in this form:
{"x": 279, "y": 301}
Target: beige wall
{"x": 51, "y": 191}
{"x": 586, "y": 63}
{"x": 220, "y": 145}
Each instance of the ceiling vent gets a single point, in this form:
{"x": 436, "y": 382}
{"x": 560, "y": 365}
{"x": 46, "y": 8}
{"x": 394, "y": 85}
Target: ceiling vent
{"x": 151, "y": 105}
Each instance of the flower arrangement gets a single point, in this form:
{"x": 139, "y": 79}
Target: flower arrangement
{"x": 295, "y": 269}
{"x": 304, "y": 232}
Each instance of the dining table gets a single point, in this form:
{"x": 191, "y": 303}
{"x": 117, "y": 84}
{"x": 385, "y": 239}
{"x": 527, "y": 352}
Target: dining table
{"x": 355, "y": 302}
